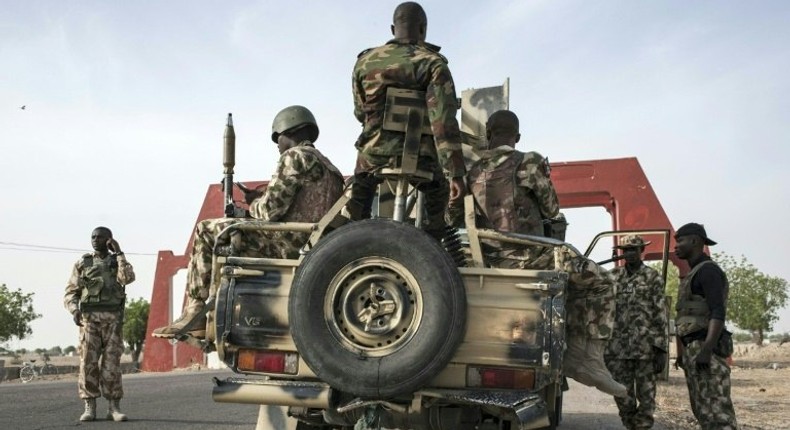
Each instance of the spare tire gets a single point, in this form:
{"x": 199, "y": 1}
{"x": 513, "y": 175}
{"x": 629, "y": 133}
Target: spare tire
{"x": 377, "y": 308}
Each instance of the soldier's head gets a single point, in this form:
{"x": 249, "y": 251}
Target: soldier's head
{"x": 293, "y": 125}
{"x": 409, "y": 22}
{"x": 502, "y": 129}
{"x": 690, "y": 241}
{"x": 632, "y": 246}
{"x": 99, "y": 238}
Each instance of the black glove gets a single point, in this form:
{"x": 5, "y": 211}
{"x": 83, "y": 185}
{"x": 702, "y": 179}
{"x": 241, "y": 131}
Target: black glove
{"x": 660, "y": 360}
{"x": 77, "y": 318}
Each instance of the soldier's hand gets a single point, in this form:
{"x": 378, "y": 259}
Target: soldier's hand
{"x": 77, "y": 318}
{"x": 249, "y": 194}
{"x": 457, "y": 191}
{"x": 113, "y": 245}
{"x": 659, "y": 360}
{"x": 702, "y": 360}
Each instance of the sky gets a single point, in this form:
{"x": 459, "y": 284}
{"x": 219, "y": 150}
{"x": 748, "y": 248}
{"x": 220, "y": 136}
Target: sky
{"x": 125, "y": 105}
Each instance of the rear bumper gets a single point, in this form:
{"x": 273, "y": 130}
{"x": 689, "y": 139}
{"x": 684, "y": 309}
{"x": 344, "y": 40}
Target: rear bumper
{"x": 528, "y": 409}
{"x": 271, "y": 392}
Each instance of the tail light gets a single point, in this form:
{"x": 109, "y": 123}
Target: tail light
{"x": 500, "y": 377}
{"x": 254, "y": 360}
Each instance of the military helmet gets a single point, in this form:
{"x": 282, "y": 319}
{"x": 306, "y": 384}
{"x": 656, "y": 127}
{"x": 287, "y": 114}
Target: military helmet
{"x": 632, "y": 241}
{"x": 292, "y": 117}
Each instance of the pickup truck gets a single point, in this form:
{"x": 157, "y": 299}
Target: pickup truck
{"x": 379, "y": 325}
{"x": 378, "y": 321}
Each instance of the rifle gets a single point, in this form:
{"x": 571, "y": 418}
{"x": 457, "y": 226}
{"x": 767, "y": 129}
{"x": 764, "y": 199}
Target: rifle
{"x": 609, "y": 260}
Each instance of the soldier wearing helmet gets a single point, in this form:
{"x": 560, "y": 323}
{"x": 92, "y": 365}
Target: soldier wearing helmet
{"x": 637, "y": 351}
{"x": 303, "y": 188}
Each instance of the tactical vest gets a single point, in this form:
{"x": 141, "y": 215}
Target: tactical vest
{"x": 98, "y": 281}
{"x": 315, "y": 199}
{"x": 693, "y": 313}
{"x": 505, "y": 205}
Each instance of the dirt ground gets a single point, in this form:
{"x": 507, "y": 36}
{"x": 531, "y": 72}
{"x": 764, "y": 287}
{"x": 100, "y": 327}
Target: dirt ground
{"x": 760, "y": 390}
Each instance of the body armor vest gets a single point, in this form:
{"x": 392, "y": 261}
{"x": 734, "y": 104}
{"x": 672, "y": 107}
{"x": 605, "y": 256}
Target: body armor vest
{"x": 693, "y": 313}
{"x": 100, "y": 290}
{"x": 505, "y": 205}
{"x": 314, "y": 200}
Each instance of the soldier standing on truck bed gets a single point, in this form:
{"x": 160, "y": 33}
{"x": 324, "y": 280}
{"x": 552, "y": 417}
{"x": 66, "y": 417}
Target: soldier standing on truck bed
{"x": 303, "y": 188}
{"x": 407, "y": 62}
{"x": 513, "y": 192}
{"x": 637, "y": 351}
{"x": 703, "y": 342}
{"x": 95, "y": 297}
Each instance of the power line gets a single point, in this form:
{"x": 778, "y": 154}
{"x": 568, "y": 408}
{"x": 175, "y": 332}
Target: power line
{"x": 14, "y": 246}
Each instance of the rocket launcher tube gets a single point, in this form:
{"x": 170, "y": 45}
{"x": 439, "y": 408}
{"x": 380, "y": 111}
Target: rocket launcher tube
{"x": 229, "y": 162}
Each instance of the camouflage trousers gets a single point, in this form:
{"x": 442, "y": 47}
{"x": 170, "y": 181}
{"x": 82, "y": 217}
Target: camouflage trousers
{"x": 270, "y": 244}
{"x": 437, "y": 191}
{"x": 100, "y": 347}
{"x": 590, "y": 303}
{"x": 636, "y": 410}
{"x": 709, "y": 390}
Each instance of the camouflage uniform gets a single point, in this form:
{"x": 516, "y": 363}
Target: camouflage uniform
{"x": 408, "y": 65}
{"x": 101, "y": 342}
{"x": 640, "y": 326}
{"x": 303, "y": 188}
{"x": 513, "y": 192}
{"x": 709, "y": 390}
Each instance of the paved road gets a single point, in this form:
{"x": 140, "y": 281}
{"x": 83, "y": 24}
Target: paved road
{"x": 161, "y": 401}
{"x": 182, "y": 400}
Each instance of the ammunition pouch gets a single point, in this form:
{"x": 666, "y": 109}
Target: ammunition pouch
{"x": 724, "y": 346}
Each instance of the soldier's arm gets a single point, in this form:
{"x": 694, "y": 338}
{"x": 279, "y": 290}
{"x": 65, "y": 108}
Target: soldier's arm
{"x": 285, "y": 183}
{"x": 659, "y": 321}
{"x": 357, "y": 91}
{"x": 71, "y": 300}
{"x": 533, "y": 173}
{"x": 125, "y": 270}
{"x": 442, "y": 108}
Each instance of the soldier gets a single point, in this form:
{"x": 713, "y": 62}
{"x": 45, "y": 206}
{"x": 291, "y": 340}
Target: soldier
{"x": 703, "y": 343}
{"x": 407, "y": 62}
{"x": 514, "y": 193}
{"x": 95, "y": 297}
{"x": 637, "y": 351}
{"x": 303, "y": 188}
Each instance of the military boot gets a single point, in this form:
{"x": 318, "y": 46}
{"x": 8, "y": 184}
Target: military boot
{"x": 191, "y": 310}
{"x": 114, "y": 412}
{"x": 583, "y": 362}
{"x": 90, "y": 410}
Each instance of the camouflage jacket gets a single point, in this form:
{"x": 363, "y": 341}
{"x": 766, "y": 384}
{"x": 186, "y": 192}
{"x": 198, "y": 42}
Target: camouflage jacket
{"x": 523, "y": 195}
{"x": 640, "y": 315}
{"x": 124, "y": 275}
{"x": 414, "y": 66}
{"x": 303, "y": 188}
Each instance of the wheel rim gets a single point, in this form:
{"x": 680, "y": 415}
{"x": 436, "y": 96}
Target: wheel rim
{"x": 373, "y": 306}
{"x": 26, "y": 374}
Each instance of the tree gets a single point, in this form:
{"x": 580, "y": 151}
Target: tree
{"x": 55, "y": 351}
{"x": 134, "y": 326}
{"x": 754, "y": 298}
{"x": 16, "y": 314}
{"x": 69, "y": 349}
